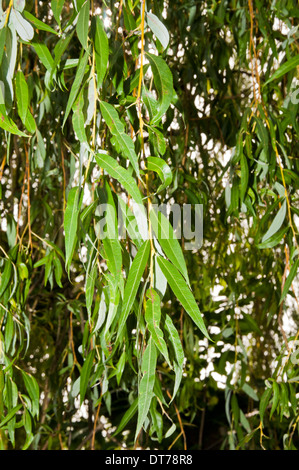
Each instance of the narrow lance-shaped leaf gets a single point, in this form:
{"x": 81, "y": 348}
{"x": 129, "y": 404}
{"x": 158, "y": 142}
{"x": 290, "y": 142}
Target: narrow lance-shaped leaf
{"x": 44, "y": 54}
{"x": 60, "y": 47}
{"x": 57, "y": 270}
{"x": 274, "y": 240}
{"x": 264, "y": 402}
{"x": 109, "y": 236}
{"x": 289, "y": 279}
{"x": 120, "y": 139}
{"x": 76, "y": 85}
{"x": 152, "y": 318}
{"x": 129, "y": 222}
{"x": 89, "y": 286}
{"x": 244, "y": 176}
{"x": 7, "y": 124}
{"x": 5, "y": 276}
{"x": 38, "y": 24}
{"x": 78, "y": 119}
{"x": 120, "y": 174}
{"x": 19, "y": 5}
{"x": 132, "y": 284}
{"x": 85, "y": 374}
{"x": 168, "y": 241}
{"x": 158, "y": 28}
{"x": 82, "y": 24}
{"x": 120, "y": 367}
{"x": 147, "y": 382}
{"x": 22, "y": 95}
{"x": 163, "y": 82}
{"x": 160, "y": 166}
{"x": 178, "y": 350}
{"x": 183, "y": 293}
{"x": 56, "y": 6}
{"x": 284, "y": 68}
{"x": 276, "y": 396}
{"x": 127, "y": 416}
{"x": 2, "y": 42}
{"x": 33, "y": 391}
{"x": 71, "y": 223}
{"x": 150, "y": 102}
{"x": 101, "y": 46}
{"x": 10, "y": 415}
{"x": 23, "y": 27}
{"x": 277, "y": 222}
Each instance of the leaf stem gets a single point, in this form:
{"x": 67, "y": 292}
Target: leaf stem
{"x": 8, "y": 12}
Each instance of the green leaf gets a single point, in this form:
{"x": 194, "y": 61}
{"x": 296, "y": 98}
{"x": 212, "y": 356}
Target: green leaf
{"x": 163, "y": 83}
{"x": 19, "y": 5}
{"x": 5, "y": 276}
{"x": 183, "y": 293}
{"x": 276, "y": 397}
{"x": 179, "y": 353}
{"x": 168, "y": 241}
{"x": 39, "y": 24}
{"x": 23, "y": 27}
{"x": 78, "y": 119}
{"x": 157, "y": 421}
{"x": 147, "y": 382}
{"x": 277, "y": 222}
{"x": 249, "y": 391}
{"x": 152, "y": 318}
{"x": 284, "y": 399}
{"x": 120, "y": 139}
{"x": 284, "y": 68}
{"x": 264, "y": 402}
{"x": 120, "y": 367}
{"x": 9, "y": 331}
{"x": 158, "y": 29}
{"x": 101, "y": 47}
{"x": 7, "y": 124}
{"x": 127, "y": 416}
{"x": 91, "y": 275}
{"x": 44, "y": 54}
{"x": 244, "y": 176}
{"x": 150, "y": 102}
{"x": 170, "y": 431}
{"x": 59, "y": 49}
{"x": 22, "y": 95}
{"x": 71, "y": 224}
{"x": 160, "y": 166}
{"x": 56, "y": 6}
{"x": 82, "y": 24}
{"x": 33, "y": 391}
{"x": 129, "y": 222}
{"x": 157, "y": 139}
{"x": 130, "y": 25}
{"x": 2, "y": 42}
{"x": 274, "y": 240}
{"x": 132, "y": 284}
{"x": 244, "y": 421}
{"x": 30, "y": 123}
{"x": 10, "y": 415}
{"x": 120, "y": 174}
{"x": 85, "y": 374}
{"x": 111, "y": 243}
{"x": 289, "y": 279}
{"x": 76, "y": 85}
{"x": 57, "y": 271}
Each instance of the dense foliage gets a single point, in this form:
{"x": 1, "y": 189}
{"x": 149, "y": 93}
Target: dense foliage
{"x": 109, "y": 342}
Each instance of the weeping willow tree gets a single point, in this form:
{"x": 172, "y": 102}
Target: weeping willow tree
{"x": 116, "y": 332}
